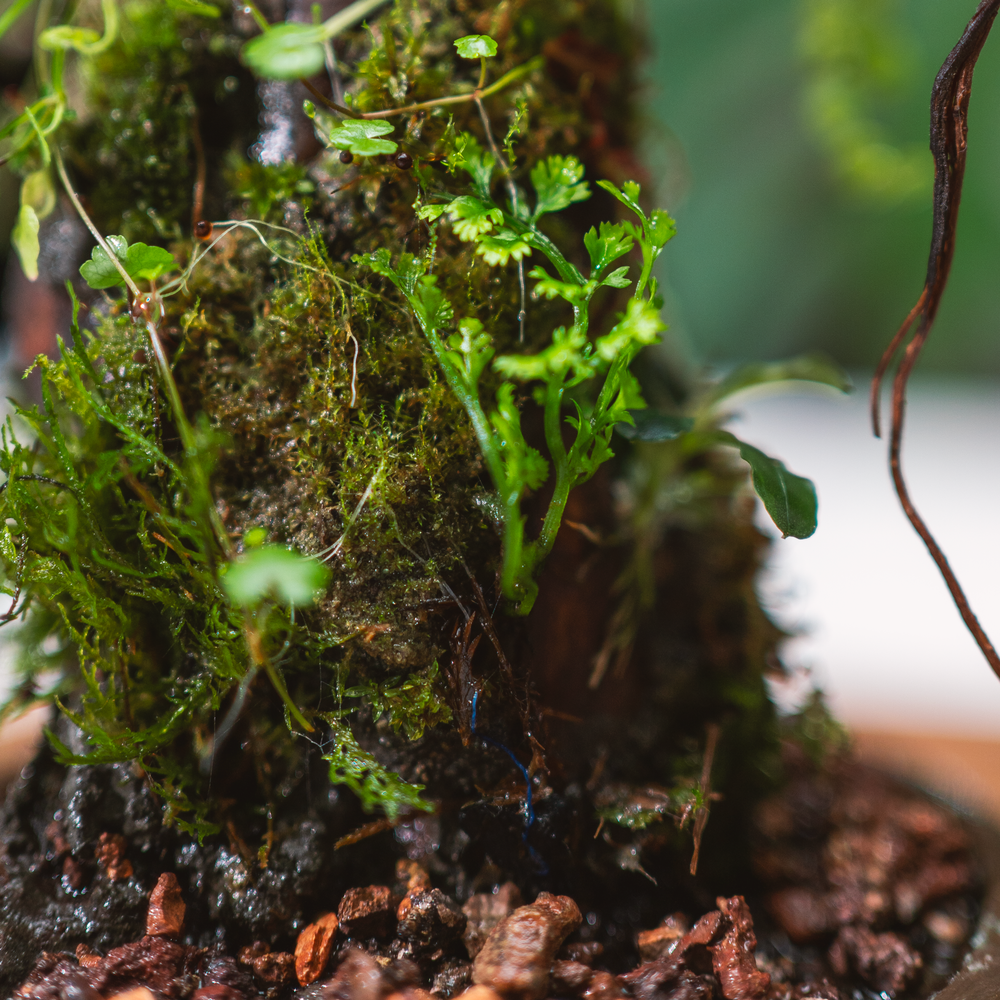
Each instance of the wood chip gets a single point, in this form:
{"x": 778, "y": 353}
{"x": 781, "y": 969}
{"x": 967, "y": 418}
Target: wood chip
{"x": 165, "y": 917}
{"x": 312, "y": 950}
{"x": 136, "y": 993}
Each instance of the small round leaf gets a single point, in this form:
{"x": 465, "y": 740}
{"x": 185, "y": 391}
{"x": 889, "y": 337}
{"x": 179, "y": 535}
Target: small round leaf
{"x": 360, "y": 137}
{"x": 65, "y": 36}
{"x": 476, "y": 47}
{"x": 273, "y": 570}
{"x": 286, "y": 52}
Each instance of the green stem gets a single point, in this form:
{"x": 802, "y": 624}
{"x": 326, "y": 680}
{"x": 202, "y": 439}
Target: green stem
{"x": 88, "y": 222}
{"x": 11, "y": 14}
{"x": 504, "y": 81}
{"x": 553, "y": 422}
{"x": 542, "y": 545}
{"x": 469, "y": 398}
{"x": 647, "y": 266}
{"x": 515, "y": 74}
{"x": 257, "y": 15}
{"x": 516, "y": 583}
{"x": 261, "y": 659}
{"x": 539, "y": 241}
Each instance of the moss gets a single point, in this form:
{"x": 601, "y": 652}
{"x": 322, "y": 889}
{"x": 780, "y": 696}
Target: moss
{"x": 325, "y": 422}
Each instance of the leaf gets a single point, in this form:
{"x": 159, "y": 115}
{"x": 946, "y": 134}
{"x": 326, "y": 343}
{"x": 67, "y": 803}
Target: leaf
{"x": 433, "y": 310}
{"x": 628, "y": 195}
{"x": 99, "y": 271}
{"x": 7, "y": 549}
{"x": 38, "y": 191}
{"x": 430, "y": 213}
{"x": 24, "y": 238}
{"x": 404, "y": 277}
{"x": 360, "y": 136}
{"x": 471, "y": 350}
{"x": 557, "y": 184}
{"x": 618, "y": 278}
{"x": 195, "y": 7}
{"x": 477, "y": 162}
{"x": 550, "y": 287}
{"x": 788, "y": 498}
{"x": 476, "y": 47}
{"x": 640, "y": 326}
{"x": 661, "y": 228}
{"x": 286, "y": 52}
{"x": 273, "y": 570}
{"x": 650, "y": 425}
{"x": 141, "y": 262}
{"x": 147, "y": 263}
{"x": 367, "y": 778}
{"x": 66, "y": 36}
{"x": 524, "y": 466}
{"x": 606, "y": 246}
{"x": 805, "y": 368}
{"x": 569, "y": 351}
{"x": 499, "y": 248}
{"x": 471, "y": 217}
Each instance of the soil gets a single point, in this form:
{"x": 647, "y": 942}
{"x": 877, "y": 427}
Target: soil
{"x": 860, "y": 888}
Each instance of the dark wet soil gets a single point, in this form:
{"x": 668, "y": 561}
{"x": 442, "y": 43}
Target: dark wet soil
{"x": 861, "y": 888}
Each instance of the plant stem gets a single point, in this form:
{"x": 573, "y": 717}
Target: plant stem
{"x": 261, "y": 659}
{"x": 257, "y": 15}
{"x": 11, "y": 14}
{"x": 469, "y": 398}
{"x": 101, "y": 242}
{"x": 504, "y": 81}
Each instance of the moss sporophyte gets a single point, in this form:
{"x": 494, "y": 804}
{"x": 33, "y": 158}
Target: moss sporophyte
{"x": 383, "y": 407}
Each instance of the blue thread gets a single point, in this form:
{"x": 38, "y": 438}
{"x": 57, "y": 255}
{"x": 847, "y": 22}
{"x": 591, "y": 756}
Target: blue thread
{"x": 541, "y": 866}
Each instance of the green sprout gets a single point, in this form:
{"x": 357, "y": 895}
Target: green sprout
{"x": 573, "y": 358}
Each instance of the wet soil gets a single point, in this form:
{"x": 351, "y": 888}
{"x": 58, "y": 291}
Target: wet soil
{"x": 860, "y": 888}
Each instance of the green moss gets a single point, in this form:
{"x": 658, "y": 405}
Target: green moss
{"x": 321, "y": 419}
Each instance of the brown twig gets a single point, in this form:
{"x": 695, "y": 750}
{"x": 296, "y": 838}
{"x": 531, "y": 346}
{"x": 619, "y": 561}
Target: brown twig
{"x": 198, "y": 209}
{"x": 949, "y": 140}
{"x": 705, "y": 787}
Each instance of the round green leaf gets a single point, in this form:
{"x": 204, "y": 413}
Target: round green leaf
{"x": 360, "y": 136}
{"x": 65, "y": 36}
{"x": 286, "y": 52}
{"x": 272, "y": 570}
{"x": 99, "y": 271}
{"x": 476, "y": 47}
{"x": 147, "y": 262}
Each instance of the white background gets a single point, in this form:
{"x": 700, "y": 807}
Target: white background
{"x": 881, "y": 635}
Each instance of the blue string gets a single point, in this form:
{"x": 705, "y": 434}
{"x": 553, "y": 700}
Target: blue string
{"x": 530, "y": 807}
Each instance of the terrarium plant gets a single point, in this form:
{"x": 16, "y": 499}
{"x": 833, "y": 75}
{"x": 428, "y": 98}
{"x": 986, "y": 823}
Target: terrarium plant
{"x": 362, "y": 370}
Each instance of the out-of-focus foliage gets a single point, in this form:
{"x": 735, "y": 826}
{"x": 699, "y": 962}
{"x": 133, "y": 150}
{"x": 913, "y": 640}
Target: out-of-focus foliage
{"x": 786, "y": 254}
{"x": 859, "y": 56}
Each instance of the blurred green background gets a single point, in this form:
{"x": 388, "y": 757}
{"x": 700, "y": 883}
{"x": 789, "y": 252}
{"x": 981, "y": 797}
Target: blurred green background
{"x": 789, "y": 138}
